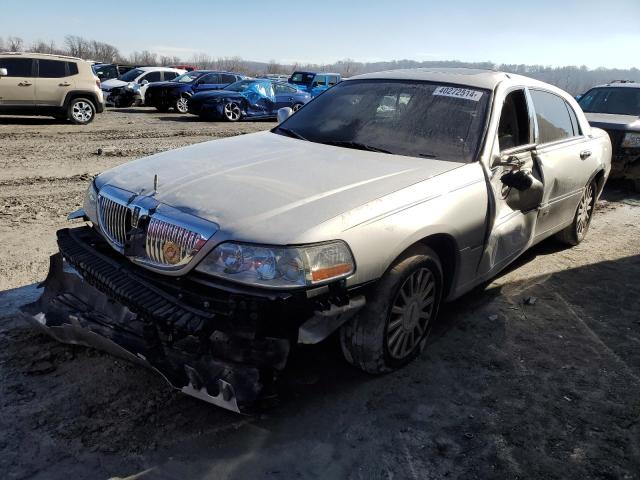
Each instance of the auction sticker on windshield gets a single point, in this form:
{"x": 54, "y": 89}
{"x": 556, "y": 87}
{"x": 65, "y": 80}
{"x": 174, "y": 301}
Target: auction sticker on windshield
{"x": 457, "y": 92}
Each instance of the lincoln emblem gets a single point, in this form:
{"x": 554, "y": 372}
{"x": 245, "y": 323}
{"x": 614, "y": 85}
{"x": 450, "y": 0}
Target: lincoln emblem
{"x": 171, "y": 252}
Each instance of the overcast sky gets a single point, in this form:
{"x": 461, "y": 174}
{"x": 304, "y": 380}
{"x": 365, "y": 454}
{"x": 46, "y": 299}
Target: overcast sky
{"x": 548, "y": 32}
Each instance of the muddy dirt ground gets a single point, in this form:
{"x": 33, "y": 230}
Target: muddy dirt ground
{"x": 508, "y": 388}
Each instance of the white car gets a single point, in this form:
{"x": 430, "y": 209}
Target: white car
{"x": 136, "y": 81}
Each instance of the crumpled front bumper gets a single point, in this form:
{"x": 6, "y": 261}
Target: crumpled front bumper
{"x": 224, "y": 347}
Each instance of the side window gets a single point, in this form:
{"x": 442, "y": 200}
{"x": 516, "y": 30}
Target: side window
{"x": 320, "y": 80}
{"x": 513, "y": 129}
{"x": 170, "y": 75}
{"x": 52, "y": 69}
{"x": 72, "y": 68}
{"x": 227, "y": 78}
{"x": 17, "y": 67}
{"x": 574, "y": 120}
{"x": 553, "y": 118}
{"x": 333, "y": 79}
{"x": 209, "y": 79}
{"x": 151, "y": 77}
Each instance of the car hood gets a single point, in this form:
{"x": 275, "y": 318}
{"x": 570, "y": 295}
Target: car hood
{"x": 614, "y": 121}
{"x": 265, "y": 187}
{"x": 112, "y": 83}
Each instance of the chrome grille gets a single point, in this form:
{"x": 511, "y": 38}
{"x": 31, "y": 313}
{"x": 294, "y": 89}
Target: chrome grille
{"x": 160, "y": 233}
{"x": 115, "y": 220}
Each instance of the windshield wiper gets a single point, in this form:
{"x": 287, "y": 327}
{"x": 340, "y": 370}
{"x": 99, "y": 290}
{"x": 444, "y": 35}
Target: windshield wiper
{"x": 291, "y": 133}
{"x": 356, "y": 145}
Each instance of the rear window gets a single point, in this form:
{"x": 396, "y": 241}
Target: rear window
{"x": 52, "y": 69}
{"x": 302, "y": 77}
{"x": 554, "y": 122}
{"x": 16, "y": 67}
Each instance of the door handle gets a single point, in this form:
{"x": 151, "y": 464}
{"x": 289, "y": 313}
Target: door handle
{"x": 25, "y": 84}
{"x": 65, "y": 84}
{"x": 585, "y": 154}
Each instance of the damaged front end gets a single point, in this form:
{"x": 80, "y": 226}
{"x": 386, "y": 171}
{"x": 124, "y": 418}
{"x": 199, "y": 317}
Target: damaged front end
{"x": 223, "y": 344}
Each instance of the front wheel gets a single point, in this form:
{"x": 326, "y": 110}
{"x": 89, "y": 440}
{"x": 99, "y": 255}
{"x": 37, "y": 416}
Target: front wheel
{"x": 296, "y": 106}
{"x": 232, "y": 112}
{"x": 392, "y": 329}
{"x": 575, "y": 233}
{"x": 182, "y": 105}
{"x": 81, "y": 111}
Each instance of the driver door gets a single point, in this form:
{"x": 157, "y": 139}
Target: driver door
{"x": 513, "y": 212}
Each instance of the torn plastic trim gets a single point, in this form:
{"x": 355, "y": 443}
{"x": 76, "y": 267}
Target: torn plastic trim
{"x": 72, "y": 311}
{"x": 324, "y": 322}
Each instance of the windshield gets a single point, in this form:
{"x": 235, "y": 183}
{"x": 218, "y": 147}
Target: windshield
{"x": 187, "y": 77}
{"x": 417, "y": 119}
{"x": 131, "y": 75}
{"x": 302, "y": 77}
{"x": 618, "y": 100}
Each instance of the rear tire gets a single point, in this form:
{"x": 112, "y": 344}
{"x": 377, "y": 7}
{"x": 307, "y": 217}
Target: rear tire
{"x": 81, "y": 111}
{"x": 182, "y": 105}
{"x": 392, "y": 329}
{"x": 575, "y": 233}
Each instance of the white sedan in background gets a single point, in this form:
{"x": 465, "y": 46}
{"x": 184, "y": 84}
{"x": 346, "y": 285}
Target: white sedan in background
{"x": 136, "y": 81}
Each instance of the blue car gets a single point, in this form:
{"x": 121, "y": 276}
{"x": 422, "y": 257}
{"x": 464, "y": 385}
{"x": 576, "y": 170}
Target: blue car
{"x": 258, "y": 98}
{"x": 313, "y": 82}
{"x": 176, "y": 93}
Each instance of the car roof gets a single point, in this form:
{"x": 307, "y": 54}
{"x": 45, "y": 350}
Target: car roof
{"x": 472, "y": 77}
{"x": 153, "y": 69}
{"x": 43, "y": 56}
{"x": 619, "y": 84}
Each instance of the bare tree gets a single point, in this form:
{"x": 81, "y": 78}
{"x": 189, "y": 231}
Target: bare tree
{"x": 273, "y": 67}
{"x": 15, "y": 44}
{"x": 40, "y": 46}
{"x": 145, "y": 57}
{"x": 203, "y": 61}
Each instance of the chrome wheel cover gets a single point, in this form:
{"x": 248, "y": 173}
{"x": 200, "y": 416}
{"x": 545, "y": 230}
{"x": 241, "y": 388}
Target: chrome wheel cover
{"x": 232, "y": 111}
{"x": 182, "y": 105}
{"x": 82, "y": 112}
{"x": 296, "y": 107}
{"x": 585, "y": 209}
{"x": 411, "y": 313}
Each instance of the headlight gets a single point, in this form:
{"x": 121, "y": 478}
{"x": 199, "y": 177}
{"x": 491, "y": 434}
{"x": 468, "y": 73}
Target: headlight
{"x": 631, "y": 140}
{"x": 279, "y": 267}
{"x": 132, "y": 86}
{"x": 90, "y": 202}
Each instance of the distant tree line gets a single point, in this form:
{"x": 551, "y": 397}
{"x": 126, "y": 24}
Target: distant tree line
{"x": 570, "y": 78}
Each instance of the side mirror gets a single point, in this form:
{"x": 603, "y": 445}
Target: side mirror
{"x": 3, "y": 72}
{"x": 578, "y": 97}
{"x": 284, "y": 113}
{"x": 144, "y": 82}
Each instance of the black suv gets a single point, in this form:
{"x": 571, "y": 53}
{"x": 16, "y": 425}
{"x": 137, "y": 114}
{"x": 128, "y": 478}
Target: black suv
{"x": 615, "y": 107}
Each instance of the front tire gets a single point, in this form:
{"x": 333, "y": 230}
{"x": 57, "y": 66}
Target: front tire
{"x": 81, "y": 111}
{"x": 575, "y": 233}
{"x": 392, "y": 329}
{"x": 232, "y": 112}
{"x": 182, "y": 105}
{"x": 297, "y": 106}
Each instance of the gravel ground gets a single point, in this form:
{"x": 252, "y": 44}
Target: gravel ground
{"x": 536, "y": 375}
